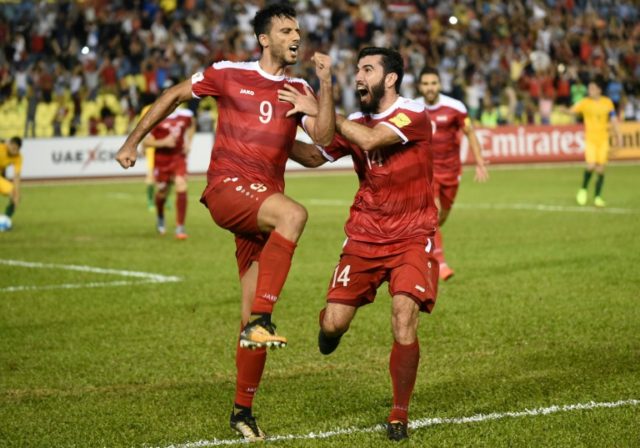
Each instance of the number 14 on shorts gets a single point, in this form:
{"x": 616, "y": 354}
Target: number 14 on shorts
{"x": 342, "y": 276}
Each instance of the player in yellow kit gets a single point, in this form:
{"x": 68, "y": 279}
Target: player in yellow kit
{"x": 10, "y": 155}
{"x": 598, "y": 113}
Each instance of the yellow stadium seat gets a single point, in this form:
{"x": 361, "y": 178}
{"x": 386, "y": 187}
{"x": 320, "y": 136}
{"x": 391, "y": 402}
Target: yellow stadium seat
{"x": 122, "y": 124}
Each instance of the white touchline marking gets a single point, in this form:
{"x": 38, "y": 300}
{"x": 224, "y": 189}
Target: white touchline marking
{"x": 144, "y": 277}
{"x": 549, "y": 208}
{"x": 421, "y": 423}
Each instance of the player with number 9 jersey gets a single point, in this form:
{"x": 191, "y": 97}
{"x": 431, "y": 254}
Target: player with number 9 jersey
{"x": 254, "y": 134}
{"x": 244, "y": 192}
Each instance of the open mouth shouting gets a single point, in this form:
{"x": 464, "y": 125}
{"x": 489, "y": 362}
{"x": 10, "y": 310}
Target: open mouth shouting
{"x": 293, "y": 50}
{"x": 362, "y": 92}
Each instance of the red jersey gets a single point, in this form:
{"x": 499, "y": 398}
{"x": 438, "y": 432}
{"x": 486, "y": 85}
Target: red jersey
{"x": 447, "y": 116}
{"x": 177, "y": 125}
{"x": 394, "y": 202}
{"x": 253, "y": 135}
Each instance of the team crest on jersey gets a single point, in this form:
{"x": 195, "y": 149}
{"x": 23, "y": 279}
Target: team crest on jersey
{"x": 400, "y": 120}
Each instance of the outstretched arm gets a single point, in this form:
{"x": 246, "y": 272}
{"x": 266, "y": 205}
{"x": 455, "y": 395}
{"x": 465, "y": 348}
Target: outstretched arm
{"x": 166, "y": 142}
{"x": 482, "y": 175}
{"x": 161, "y": 108}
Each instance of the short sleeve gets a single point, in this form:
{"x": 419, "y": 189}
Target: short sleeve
{"x": 461, "y": 118}
{"x": 409, "y": 125}
{"x": 207, "y": 83}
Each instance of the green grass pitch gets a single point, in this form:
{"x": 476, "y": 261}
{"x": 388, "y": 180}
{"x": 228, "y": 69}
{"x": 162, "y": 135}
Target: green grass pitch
{"x": 543, "y": 311}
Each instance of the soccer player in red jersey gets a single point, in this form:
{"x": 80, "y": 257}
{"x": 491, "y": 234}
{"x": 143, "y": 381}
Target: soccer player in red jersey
{"x": 171, "y": 139}
{"x": 245, "y": 180}
{"x": 393, "y": 219}
{"x": 448, "y": 118}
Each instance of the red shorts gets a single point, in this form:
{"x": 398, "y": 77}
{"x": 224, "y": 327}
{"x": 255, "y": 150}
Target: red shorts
{"x": 234, "y": 203}
{"x": 167, "y": 167}
{"x": 409, "y": 268}
{"x": 445, "y": 193}
{"x": 248, "y": 250}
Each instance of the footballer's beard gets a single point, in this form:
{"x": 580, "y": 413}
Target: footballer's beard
{"x": 371, "y": 102}
{"x": 431, "y": 97}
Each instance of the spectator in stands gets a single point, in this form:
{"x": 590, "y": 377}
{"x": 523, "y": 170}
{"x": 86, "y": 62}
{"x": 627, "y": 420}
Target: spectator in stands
{"x": 32, "y": 104}
{"x": 578, "y": 90}
{"x": 108, "y": 119}
{"x": 61, "y": 113}
{"x": 488, "y": 45}
{"x": 489, "y": 117}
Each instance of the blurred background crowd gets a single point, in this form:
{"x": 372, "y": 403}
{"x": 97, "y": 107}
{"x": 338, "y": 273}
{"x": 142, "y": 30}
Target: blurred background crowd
{"x": 88, "y": 67}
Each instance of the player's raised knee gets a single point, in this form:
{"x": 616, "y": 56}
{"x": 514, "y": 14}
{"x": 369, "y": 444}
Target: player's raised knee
{"x": 293, "y": 219}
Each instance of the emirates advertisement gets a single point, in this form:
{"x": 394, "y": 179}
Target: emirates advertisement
{"x": 542, "y": 144}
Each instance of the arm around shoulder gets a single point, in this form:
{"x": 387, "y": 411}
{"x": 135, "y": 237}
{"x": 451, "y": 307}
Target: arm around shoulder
{"x": 306, "y": 154}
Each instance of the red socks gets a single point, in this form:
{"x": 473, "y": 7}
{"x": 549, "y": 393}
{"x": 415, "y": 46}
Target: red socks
{"x": 403, "y": 366}
{"x": 274, "y": 265}
{"x": 249, "y": 365}
{"x": 181, "y": 207}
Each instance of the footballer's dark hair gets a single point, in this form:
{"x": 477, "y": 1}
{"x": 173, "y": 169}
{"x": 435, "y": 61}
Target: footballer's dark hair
{"x": 427, "y": 70}
{"x": 600, "y": 82}
{"x": 262, "y": 20}
{"x": 391, "y": 61}
{"x": 17, "y": 141}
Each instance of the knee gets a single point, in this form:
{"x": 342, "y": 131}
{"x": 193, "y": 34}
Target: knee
{"x": 295, "y": 218}
{"x": 299, "y": 216}
{"x": 181, "y": 185}
{"x": 333, "y": 326}
{"x": 405, "y": 328}
{"x": 404, "y": 335}
{"x": 334, "y": 329}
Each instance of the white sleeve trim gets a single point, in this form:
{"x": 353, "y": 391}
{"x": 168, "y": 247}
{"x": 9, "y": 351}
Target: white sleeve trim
{"x": 397, "y": 131}
{"x": 196, "y": 78}
{"x": 325, "y": 154}
{"x": 303, "y": 122}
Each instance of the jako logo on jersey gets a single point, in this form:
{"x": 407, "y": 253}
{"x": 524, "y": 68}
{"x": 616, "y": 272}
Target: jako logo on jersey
{"x": 400, "y": 120}
{"x": 246, "y": 92}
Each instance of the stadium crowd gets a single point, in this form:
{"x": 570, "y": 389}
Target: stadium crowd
{"x": 88, "y": 68}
